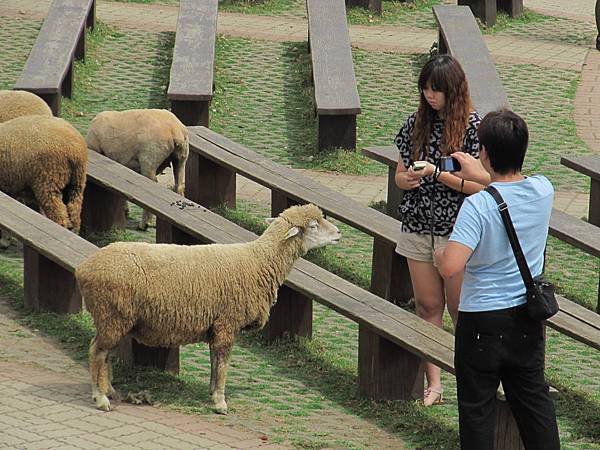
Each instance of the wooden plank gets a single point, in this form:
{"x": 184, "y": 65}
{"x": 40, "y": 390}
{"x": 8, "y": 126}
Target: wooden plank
{"x": 576, "y": 232}
{"x": 387, "y": 155}
{"x": 192, "y": 69}
{"x": 577, "y": 330}
{"x": 298, "y": 187}
{"x": 465, "y": 42}
{"x": 579, "y": 313}
{"x": 53, "y": 51}
{"x": 586, "y": 164}
{"x": 333, "y": 69}
{"x": 56, "y": 243}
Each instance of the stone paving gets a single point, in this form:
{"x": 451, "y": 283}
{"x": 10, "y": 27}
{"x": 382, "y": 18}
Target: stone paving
{"x": 45, "y": 400}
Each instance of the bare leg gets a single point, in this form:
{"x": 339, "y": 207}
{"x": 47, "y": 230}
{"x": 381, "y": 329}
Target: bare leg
{"x": 428, "y": 287}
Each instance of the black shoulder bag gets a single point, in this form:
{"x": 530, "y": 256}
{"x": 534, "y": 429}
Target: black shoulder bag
{"x": 541, "y": 302}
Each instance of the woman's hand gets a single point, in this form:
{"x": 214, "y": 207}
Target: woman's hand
{"x": 408, "y": 179}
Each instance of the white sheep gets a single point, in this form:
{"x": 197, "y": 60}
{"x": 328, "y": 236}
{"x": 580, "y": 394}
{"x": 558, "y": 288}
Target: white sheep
{"x": 45, "y": 158}
{"x": 144, "y": 140}
{"x": 21, "y": 103}
{"x": 166, "y": 295}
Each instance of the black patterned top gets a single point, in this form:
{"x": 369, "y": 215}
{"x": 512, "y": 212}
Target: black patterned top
{"x": 415, "y": 209}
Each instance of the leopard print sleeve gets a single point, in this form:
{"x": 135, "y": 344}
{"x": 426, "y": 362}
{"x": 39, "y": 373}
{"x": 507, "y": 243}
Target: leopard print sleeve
{"x": 471, "y": 139}
{"x": 403, "y": 141}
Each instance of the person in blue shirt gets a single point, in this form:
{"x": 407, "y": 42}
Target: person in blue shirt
{"x": 495, "y": 340}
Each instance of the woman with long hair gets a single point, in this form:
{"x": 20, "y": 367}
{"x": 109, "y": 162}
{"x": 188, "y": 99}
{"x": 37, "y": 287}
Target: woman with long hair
{"x": 443, "y": 124}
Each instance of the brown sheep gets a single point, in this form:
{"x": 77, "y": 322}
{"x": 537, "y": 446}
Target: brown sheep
{"x": 168, "y": 295}
{"x": 144, "y": 140}
{"x": 45, "y": 157}
{"x": 21, "y": 103}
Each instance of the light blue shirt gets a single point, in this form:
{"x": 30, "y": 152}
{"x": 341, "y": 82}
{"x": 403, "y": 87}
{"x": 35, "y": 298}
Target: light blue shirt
{"x": 492, "y": 279}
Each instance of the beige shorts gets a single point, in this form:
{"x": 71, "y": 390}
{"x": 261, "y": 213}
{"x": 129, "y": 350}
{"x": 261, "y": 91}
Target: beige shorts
{"x": 418, "y": 246}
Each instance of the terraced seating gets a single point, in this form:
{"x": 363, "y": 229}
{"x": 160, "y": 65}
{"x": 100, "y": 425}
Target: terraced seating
{"x": 48, "y": 71}
{"x": 192, "y": 71}
{"x": 50, "y": 255}
{"x": 573, "y": 320}
{"x": 336, "y": 96}
{"x": 486, "y": 10}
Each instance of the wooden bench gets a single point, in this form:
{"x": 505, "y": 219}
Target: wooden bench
{"x": 336, "y": 96}
{"x": 211, "y": 172}
{"x": 192, "y": 70}
{"x": 573, "y": 320}
{"x": 460, "y": 37}
{"x": 392, "y": 342}
{"x": 589, "y": 165}
{"x": 48, "y": 71}
{"x": 50, "y": 255}
{"x": 486, "y": 10}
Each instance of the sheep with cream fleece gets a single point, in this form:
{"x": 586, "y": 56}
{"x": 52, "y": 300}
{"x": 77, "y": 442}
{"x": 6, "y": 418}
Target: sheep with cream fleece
{"x": 45, "y": 157}
{"x": 166, "y": 295}
{"x": 21, "y": 103}
{"x": 144, "y": 140}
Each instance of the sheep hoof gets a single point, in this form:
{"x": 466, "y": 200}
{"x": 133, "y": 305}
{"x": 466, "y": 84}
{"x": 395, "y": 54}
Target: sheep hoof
{"x": 221, "y": 408}
{"x": 102, "y": 403}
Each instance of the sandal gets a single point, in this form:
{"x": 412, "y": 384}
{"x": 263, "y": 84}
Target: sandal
{"x": 432, "y": 397}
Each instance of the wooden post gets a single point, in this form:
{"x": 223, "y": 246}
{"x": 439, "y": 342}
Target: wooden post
{"x": 394, "y": 194}
{"x": 594, "y": 204}
{"x": 514, "y": 8}
{"x": 191, "y": 112}
{"x": 67, "y": 83}
{"x": 336, "y": 131}
{"x": 507, "y": 436}
{"x": 485, "y": 10}
{"x": 442, "y": 44}
{"x": 91, "y": 17}
{"x": 207, "y": 183}
{"x": 48, "y": 286}
{"x": 102, "y": 210}
{"x": 80, "y": 48}
{"x": 390, "y": 278}
{"x": 292, "y": 314}
{"x": 372, "y": 5}
{"x": 386, "y": 371}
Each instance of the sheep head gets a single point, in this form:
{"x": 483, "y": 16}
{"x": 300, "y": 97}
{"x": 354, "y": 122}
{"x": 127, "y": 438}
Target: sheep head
{"x": 307, "y": 223}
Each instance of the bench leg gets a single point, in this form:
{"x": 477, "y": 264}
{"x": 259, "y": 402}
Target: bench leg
{"x": 91, "y": 17}
{"x": 373, "y": 5}
{"x": 48, "y": 286}
{"x": 442, "y": 44}
{"x": 337, "y": 131}
{"x": 394, "y": 194}
{"x": 514, "y": 8}
{"x": 209, "y": 184}
{"x": 507, "y": 436}
{"x": 292, "y": 314}
{"x": 386, "y": 371}
{"x": 132, "y": 353}
{"x": 102, "y": 210}
{"x": 53, "y": 101}
{"x": 168, "y": 234}
{"x": 67, "y": 84}
{"x": 191, "y": 113}
{"x": 485, "y": 10}
{"x": 80, "y": 49}
{"x": 390, "y": 278}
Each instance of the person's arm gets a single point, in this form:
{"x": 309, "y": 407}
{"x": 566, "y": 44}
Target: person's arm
{"x": 471, "y": 169}
{"x": 458, "y": 183}
{"x": 452, "y": 259}
{"x": 408, "y": 179}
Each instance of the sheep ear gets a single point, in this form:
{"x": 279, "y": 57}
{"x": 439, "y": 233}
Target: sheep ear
{"x": 292, "y": 232}
{"x": 269, "y": 220}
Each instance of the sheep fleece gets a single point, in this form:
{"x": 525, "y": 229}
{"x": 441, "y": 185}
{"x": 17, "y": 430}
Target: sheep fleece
{"x": 21, "y": 103}
{"x": 172, "y": 294}
{"x": 47, "y": 155}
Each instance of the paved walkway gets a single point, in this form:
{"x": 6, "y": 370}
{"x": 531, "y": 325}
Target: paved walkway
{"x": 44, "y": 396}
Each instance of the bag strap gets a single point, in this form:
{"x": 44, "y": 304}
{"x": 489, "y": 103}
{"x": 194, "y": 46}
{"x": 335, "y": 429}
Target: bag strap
{"x": 512, "y": 236}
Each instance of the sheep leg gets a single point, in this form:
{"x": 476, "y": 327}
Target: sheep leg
{"x": 178, "y": 175}
{"x": 52, "y": 206}
{"x": 99, "y": 374}
{"x": 213, "y": 370}
{"x": 4, "y": 239}
{"x": 146, "y": 215}
{"x": 222, "y": 351}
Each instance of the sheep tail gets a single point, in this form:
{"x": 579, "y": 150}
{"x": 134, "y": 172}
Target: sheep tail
{"x": 73, "y": 192}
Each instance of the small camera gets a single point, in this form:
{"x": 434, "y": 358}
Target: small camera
{"x": 419, "y": 165}
{"x": 449, "y": 164}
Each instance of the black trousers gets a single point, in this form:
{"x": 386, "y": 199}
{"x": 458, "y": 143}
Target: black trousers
{"x": 504, "y": 345}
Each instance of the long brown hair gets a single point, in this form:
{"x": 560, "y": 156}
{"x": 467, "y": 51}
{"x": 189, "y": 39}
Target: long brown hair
{"x": 443, "y": 73}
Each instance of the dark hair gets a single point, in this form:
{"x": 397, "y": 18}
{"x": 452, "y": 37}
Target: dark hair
{"x": 443, "y": 73}
{"x": 505, "y": 136}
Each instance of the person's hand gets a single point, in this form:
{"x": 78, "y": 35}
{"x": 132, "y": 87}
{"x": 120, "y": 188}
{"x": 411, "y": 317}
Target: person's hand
{"x": 471, "y": 169}
{"x": 427, "y": 171}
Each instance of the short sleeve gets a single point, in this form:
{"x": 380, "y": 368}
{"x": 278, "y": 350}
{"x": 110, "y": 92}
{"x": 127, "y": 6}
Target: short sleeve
{"x": 468, "y": 227}
{"x": 471, "y": 139}
{"x": 404, "y": 141}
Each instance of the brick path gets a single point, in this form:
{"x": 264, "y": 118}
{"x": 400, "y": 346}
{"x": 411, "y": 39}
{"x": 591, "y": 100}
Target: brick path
{"x": 45, "y": 399}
